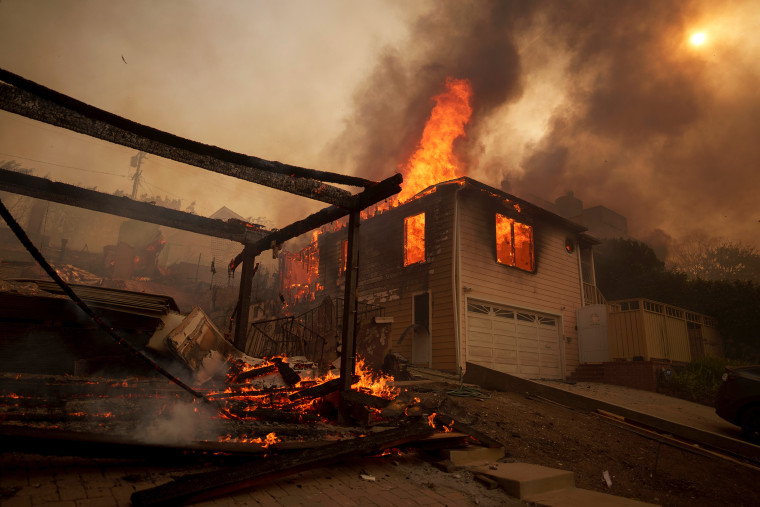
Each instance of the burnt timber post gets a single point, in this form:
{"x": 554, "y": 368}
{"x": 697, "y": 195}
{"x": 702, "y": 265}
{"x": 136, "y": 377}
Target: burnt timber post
{"x": 348, "y": 346}
{"x": 244, "y": 298}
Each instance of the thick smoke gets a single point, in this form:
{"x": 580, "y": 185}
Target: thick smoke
{"x": 644, "y": 130}
{"x": 641, "y": 121}
{"x": 471, "y": 40}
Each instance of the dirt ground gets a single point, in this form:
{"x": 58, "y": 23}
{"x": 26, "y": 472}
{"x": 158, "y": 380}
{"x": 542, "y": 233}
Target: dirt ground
{"x": 539, "y": 432}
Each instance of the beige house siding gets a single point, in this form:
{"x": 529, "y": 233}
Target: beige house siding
{"x": 553, "y": 289}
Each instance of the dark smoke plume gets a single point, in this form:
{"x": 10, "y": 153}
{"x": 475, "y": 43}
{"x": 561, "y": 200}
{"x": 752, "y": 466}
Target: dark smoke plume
{"x": 659, "y": 131}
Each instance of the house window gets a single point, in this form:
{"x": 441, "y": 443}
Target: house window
{"x": 514, "y": 243}
{"x": 414, "y": 239}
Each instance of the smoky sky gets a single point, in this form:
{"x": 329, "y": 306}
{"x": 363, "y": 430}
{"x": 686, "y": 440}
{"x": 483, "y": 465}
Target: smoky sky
{"x": 648, "y": 125}
{"x": 603, "y": 98}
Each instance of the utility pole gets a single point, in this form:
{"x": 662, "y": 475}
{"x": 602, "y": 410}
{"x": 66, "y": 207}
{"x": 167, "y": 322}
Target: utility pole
{"x": 135, "y": 162}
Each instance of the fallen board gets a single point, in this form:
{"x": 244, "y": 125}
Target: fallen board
{"x": 207, "y": 485}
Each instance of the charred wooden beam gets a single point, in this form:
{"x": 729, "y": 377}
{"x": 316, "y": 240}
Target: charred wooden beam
{"x": 348, "y": 345}
{"x": 29, "y": 99}
{"x": 244, "y": 298}
{"x": 207, "y": 485}
{"x": 287, "y": 373}
{"x": 256, "y": 372}
{"x": 243, "y": 390}
{"x": 365, "y": 399}
{"x": 319, "y": 390}
{"x": 272, "y": 415}
{"x": 50, "y": 441}
{"x": 71, "y": 195}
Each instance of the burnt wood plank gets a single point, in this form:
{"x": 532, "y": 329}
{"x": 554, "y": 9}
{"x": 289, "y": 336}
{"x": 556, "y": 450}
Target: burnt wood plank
{"x": 203, "y": 486}
{"x": 319, "y": 390}
{"x": 26, "y": 98}
{"x": 256, "y": 372}
{"x": 365, "y": 399}
{"x": 71, "y": 195}
{"x": 289, "y": 375}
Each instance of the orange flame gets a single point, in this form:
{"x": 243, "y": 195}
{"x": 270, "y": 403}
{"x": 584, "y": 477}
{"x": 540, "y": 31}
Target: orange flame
{"x": 268, "y": 441}
{"x": 300, "y": 273}
{"x": 513, "y": 243}
{"x": 377, "y": 385}
{"x": 414, "y": 239}
{"x": 434, "y": 160}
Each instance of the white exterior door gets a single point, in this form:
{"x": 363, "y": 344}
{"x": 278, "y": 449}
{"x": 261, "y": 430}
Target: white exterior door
{"x": 593, "y": 343}
{"x": 514, "y": 341}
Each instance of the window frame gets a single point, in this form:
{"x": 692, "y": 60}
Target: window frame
{"x": 513, "y": 249}
{"x": 405, "y": 249}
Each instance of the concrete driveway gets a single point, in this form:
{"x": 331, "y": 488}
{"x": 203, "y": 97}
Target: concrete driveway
{"x": 657, "y": 405}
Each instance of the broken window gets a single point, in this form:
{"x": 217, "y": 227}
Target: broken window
{"x": 514, "y": 243}
{"x": 414, "y": 239}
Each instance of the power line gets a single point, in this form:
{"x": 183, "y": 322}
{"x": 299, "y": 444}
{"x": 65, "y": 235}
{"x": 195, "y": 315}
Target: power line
{"x": 63, "y": 165}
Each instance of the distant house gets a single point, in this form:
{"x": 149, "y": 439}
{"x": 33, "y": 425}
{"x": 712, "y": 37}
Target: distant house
{"x": 470, "y": 274}
{"x": 192, "y": 254}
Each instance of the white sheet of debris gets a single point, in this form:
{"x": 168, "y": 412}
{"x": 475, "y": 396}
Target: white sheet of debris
{"x": 201, "y": 346}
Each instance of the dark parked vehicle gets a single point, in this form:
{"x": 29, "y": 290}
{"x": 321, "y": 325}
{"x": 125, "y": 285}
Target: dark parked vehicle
{"x": 738, "y": 400}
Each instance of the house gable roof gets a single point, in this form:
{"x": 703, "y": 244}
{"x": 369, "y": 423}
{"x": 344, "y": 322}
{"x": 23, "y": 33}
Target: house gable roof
{"x": 528, "y": 207}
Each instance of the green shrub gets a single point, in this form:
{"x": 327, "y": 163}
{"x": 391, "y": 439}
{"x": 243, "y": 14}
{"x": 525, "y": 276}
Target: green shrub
{"x": 697, "y": 381}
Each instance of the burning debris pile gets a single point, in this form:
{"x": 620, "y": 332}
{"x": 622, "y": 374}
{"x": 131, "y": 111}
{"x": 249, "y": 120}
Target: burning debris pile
{"x": 279, "y": 409}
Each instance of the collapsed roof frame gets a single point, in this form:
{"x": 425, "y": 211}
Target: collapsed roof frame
{"x": 27, "y": 98}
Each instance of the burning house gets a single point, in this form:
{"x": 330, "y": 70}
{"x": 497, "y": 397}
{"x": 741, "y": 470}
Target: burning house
{"x": 469, "y": 274}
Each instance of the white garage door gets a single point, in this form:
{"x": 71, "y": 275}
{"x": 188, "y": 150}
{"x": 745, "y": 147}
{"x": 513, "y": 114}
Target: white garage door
{"x": 514, "y": 341}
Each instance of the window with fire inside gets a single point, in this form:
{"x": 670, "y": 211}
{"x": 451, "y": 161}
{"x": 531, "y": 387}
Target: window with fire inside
{"x": 514, "y": 244}
{"x": 414, "y": 239}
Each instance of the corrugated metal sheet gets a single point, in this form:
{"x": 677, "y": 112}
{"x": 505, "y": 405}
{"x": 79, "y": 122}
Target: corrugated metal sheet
{"x": 140, "y": 303}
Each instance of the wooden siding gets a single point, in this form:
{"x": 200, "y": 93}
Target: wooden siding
{"x": 652, "y": 330}
{"x": 626, "y": 332}
{"x": 554, "y": 288}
